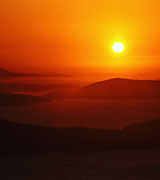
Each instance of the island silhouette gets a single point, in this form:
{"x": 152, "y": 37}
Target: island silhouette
{"x": 119, "y": 88}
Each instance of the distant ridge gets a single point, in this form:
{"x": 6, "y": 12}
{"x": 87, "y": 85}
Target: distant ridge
{"x": 6, "y": 73}
{"x": 118, "y": 88}
{"x": 9, "y": 74}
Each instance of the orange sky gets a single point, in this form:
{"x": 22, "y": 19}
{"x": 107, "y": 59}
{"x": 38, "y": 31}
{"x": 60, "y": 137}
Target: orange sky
{"x": 77, "y": 36}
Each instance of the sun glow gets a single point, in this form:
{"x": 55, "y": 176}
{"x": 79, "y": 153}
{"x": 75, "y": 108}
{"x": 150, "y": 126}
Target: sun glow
{"x": 118, "y": 47}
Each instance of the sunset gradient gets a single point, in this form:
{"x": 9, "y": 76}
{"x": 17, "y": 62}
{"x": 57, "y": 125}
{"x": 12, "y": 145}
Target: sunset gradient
{"x": 77, "y": 36}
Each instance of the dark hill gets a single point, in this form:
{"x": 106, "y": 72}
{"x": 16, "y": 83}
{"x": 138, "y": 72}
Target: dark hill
{"x": 16, "y": 137}
{"x": 121, "y": 89}
{"x": 20, "y": 138}
{"x": 147, "y": 126}
{"x": 146, "y": 134}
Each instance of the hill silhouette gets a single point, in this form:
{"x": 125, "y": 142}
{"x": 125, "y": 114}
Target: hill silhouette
{"x": 121, "y": 89}
{"x": 6, "y": 73}
{"x": 20, "y": 138}
{"x": 145, "y": 134}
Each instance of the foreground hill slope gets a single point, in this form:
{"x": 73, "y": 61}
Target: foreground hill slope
{"x": 19, "y": 137}
{"x": 16, "y": 138}
{"x": 121, "y": 88}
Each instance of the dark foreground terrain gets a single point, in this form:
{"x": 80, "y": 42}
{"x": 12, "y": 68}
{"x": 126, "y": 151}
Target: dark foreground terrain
{"x": 84, "y": 165}
{"x": 45, "y": 153}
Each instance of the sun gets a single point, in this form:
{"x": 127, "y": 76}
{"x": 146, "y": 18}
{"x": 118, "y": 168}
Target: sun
{"x": 118, "y": 47}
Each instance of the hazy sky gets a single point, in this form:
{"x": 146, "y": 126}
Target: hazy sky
{"x": 75, "y": 36}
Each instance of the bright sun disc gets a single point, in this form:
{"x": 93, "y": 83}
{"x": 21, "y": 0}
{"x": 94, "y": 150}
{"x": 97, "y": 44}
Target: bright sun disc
{"x": 118, "y": 47}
